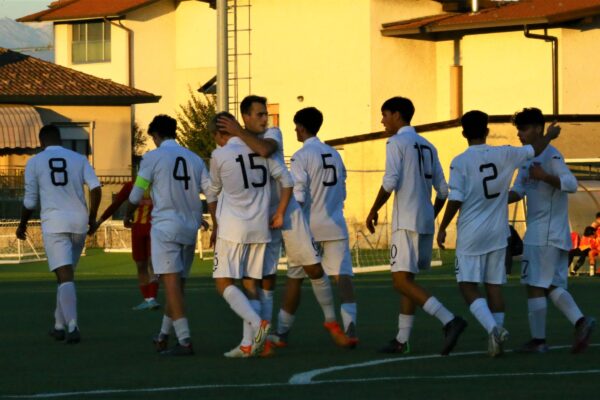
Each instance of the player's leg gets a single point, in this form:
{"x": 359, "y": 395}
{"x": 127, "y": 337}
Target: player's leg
{"x": 67, "y": 299}
{"x": 494, "y": 276}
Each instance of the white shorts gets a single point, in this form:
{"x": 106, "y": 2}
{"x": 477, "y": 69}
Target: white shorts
{"x": 485, "y": 268}
{"x": 169, "y": 256}
{"x": 335, "y": 259}
{"x": 63, "y": 249}
{"x": 544, "y": 266}
{"x": 300, "y": 247}
{"x": 272, "y": 253}
{"x": 238, "y": 260}
{"x": 410, "y": 251}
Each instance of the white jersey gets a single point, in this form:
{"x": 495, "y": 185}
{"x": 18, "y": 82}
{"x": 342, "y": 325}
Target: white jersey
{"x": 243, "y": 178}
{"x": 56, "y": 177}
{"x": 480, "y": 178}
{"x": 320, "y": 184}
{"x": 412, "y": 166}
{"x": 547, "y": 207}
{"x": 177, "y": 176}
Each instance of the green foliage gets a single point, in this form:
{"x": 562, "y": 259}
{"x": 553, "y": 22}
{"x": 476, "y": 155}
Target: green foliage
{"x": 192, "y": 124}
{"x": 138, "y": 140}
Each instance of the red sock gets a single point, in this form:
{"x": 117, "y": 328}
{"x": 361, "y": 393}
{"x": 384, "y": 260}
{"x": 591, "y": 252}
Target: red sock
{"x": 144, "y": 289}
{"x": 153, "y": 289}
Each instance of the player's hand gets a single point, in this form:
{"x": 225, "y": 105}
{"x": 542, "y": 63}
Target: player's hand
{"x": 213, "y": 237}
{"x": 21, "y": 232}
{"x": 372, "y": 221}
{"x": 94, "y": 225}
{"x": 128, "y": 221}
{"x": 204, "y": 225}
{"x": 441, "y": 238}
{"x": 536, "y": 172}
{"x": 229, "y": 125}
{"x": 553, "y": 130}
{"x": 276, "y": 221}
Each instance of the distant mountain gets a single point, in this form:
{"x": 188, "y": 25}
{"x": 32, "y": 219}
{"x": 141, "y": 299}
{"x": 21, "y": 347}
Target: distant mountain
{"x": 28, "y": 38}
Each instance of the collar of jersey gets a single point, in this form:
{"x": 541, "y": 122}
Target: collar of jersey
{"x": 406, "y": 129}
{"x": 310, "y": 140}
{"x": 169, "y": 142}
{"x": 235, "y": 140}
{"x": 53, "y": 147}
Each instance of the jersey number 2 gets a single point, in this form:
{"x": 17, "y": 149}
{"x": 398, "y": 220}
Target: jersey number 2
{"x": 58, "y": 171}
{"x": 488, "y": 178}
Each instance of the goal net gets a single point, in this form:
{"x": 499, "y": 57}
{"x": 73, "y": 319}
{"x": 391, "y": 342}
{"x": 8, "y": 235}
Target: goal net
{"x": 15, "y": 251}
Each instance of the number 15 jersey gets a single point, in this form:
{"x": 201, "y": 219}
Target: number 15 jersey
{"x": 480, "y": 178}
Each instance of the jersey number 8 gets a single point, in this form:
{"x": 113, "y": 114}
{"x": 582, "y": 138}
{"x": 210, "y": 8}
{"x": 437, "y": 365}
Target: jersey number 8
{"x": 58, "y": 171}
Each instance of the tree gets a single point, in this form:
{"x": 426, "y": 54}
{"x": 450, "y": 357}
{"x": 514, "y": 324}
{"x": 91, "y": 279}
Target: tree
{"x": 138, "y": 140}
{"x": 193, "y": 119}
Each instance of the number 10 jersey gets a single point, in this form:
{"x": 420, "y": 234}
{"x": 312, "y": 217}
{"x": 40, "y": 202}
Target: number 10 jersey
{"x": 480, "y": 178}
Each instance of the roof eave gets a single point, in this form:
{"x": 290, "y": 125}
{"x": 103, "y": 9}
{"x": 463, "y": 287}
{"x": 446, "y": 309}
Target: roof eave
{"x": 78, "y": 100}
{"x": 39, "y": 16}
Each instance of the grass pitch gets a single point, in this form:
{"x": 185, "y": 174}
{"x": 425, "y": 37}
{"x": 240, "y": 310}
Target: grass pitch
{"x": 116, "y": 359}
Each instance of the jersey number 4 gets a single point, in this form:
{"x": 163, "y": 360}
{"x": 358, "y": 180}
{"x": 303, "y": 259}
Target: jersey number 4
{"x": 58, "y": 171}
{"x": 180, "y": 172}
{"x": 261, "y": 168}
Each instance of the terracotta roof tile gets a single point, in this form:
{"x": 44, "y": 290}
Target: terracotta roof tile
{"x": 82, "y": 9}
{"x": 29, "y": 80}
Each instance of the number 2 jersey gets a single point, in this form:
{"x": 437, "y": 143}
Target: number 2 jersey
{"x": 243, "y": 178}
{"x": 177, "y": 176}
{"x": 480, "y": 178}
{"x": 412, "y": 167}
{"x": 56, "y": 177}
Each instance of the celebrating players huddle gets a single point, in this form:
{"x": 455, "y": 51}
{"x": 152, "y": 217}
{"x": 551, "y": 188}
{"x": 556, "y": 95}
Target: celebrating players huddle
{"x": 257, "y": 206}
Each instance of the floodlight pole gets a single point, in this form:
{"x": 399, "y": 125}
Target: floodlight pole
{"x": 222, "y": 73}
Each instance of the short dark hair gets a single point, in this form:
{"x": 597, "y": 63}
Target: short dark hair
{"x": 589, "y": 231}
{"x": 598, "y": 214}
{"x": 528, "y": 116}
{"x": 310, "y": 118}
{"x": 164, "y": 126}
{"x": 402, "y": 105}
{"x": 246, "y": 104}
{"x": 475, "y": 124}
{"x": 212, "y": 124}
{"x": 49, "y": 133}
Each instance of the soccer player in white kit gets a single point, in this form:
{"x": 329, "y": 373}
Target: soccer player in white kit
{"x": 412, "y": 167}
{"x": 55, "y": 178}
{"x": 320, "y": 188}
{"x": 241, "y": 222}
{"x": 295, "y": 233}
{"x": 545, "y": 181}
{"x": 176, "y": 176}
{"x": 480, "y": 179}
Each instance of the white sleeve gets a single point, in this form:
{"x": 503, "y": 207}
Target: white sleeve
{"x": 89, "y": 176}
{"x": 519, "y": 185}
{"x": 568, "y": 182}
{"x": 457, "y": 183}
{"x": 278, "y": 170}
{"x": 519, "y": 155}
{"x": 344, "y": 175}
{"x": 300, "y": 176}
{"x": 216, "y": 185}
{"x": 439, "y": 180}
{"x": 393, "y": 166}
{"x": 30, "y": 200}
{"x": 274, "y": 134}
{"x": 204, "y": 178}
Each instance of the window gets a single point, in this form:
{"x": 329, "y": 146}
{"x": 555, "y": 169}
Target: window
{"x": 273, "y": 111}
{"x": 91, "y": 42}
{"x": 75, "y": 137}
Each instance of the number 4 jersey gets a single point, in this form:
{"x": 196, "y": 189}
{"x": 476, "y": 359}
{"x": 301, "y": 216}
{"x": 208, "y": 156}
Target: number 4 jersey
{"x": 480, "y": 178}
{"x": 56, "y": 177}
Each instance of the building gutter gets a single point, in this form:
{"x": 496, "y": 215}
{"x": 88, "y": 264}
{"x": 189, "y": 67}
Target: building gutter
{"x": 554, "y": 40}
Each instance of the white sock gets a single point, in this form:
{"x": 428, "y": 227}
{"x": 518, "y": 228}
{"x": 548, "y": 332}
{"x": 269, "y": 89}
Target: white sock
{"x": 241, "y": 306}
{"x": 167, "y": 324}
{"x": 405, "y": 324}
{"x": 324, "y": 294}
{"x": 266, "y": 304}
{"x": 285, "y": 320}
{"x": 499, "y": 318}
{"x": 59, "y": 319}
{"x": 537, "y": 308}
{"x": 182, "y": 330}
{"x": 348, "y": 312}
{"x": 565, "y": 303}
{"x": 247, "y": 334}
{"x": 67, "y": 298}
{"x": 482, "y": 313}
{"x": 436, "y": 309}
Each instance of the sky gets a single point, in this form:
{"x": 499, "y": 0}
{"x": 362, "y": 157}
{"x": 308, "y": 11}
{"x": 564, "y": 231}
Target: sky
{"x": 14, "y": 9}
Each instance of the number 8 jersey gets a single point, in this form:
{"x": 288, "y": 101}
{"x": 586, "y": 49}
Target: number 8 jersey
{"x": 56, "y": 177}
{"x": 480, "y": 178}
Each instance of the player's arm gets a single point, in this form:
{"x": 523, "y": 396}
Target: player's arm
{"x": 212, "y": 210}
{"x": 135, "y": 197}
{"x": 440, "y": 185}
{"x": 120, "y": 198}
{"x": 30, "y": 200}
{"x": 542, "y": 142}
{"x": 455, "y": 200}
{"x": 300, "y": 177}
{"x": 451, "y": 209}
{"x": 563, "y": 180}
{"x": 263, "y": 147}
{"x": 393, "y": 166}
{"x": 212, "y": 194}
{"x": 95, "y": 198}
{"x": 517, "y": 192}
{"x": 278, "y": 171}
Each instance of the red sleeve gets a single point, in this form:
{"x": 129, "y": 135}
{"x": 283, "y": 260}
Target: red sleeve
{"x": 119, "y": 199}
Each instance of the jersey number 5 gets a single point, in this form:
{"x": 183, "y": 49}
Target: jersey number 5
{"x": 261, "y": 168}
{"x": 180, "y": 172}
{"x": 489, "y": 178}
{"x": 332, "y": 182}
{"x": 58, "y": 171}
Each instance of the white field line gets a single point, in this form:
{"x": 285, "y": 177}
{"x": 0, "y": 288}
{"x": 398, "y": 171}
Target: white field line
{"x": 305, "y": 378}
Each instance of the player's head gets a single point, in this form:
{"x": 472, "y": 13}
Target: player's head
{"x": 475, "y": 125}
{"x": 396, "y": 113}
{"x": 530, "y": 124}
{"x": 308, "y": 122}
{"x": 589, "y": 231}
{"x": 49, "y": 136}
{"x": 254, "y": 114}
{"x": 598, "y": 215}
{"x": 162, "y": 128}
{"x": 221, "y": 137}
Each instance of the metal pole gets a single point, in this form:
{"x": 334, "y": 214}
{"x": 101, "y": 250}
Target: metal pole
{"x": 222, "y": 83}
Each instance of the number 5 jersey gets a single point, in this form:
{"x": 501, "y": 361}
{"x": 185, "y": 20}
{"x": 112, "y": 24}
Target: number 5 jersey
{"x": 56, "y": 177}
